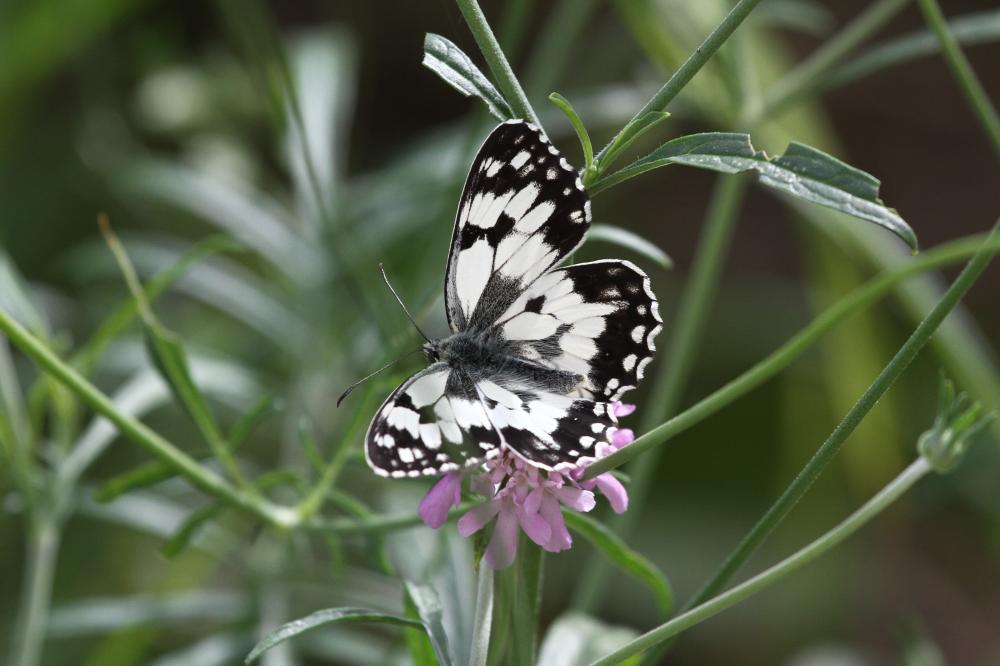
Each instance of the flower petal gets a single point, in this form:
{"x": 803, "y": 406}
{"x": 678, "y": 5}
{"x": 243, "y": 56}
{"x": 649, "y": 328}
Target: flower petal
{"x": 443, "y": 495}
{"x": 611, "y": 488}
{"x": 534, "y": 525}
{"x": 560, "y": 539}
{"x": 622, "y": 437}
{"x": 622, "y": 409}
{"x": 503, "y": 545}
{"x": 575, "y": 498}
{"x": 476, "y": 517}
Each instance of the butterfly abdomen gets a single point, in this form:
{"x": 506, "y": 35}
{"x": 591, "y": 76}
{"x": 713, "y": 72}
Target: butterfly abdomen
{"x": 478, "y": 357}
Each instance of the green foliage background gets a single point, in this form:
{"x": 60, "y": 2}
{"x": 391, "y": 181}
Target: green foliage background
{"x": 172, "y": 118}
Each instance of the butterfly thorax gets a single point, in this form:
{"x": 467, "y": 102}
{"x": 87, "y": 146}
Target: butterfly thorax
{"x": 484, "y": 356}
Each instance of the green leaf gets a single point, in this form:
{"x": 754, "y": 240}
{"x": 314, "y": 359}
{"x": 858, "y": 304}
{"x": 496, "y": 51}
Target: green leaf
{"x": 457, "y": 69}
{"x": 180, "y": 540}
{"x": 802, "y": 171}
{"x": 581, "y": 133}
{"x": 624, "y": 557}
{"x": 323, "y": 617}
{"x": 428, "y": 606}
{"x": 631, "y": 241}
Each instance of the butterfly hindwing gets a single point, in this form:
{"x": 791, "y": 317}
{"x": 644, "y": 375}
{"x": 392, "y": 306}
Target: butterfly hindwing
{"x": 434, "y": 422}
{"x": 598, "y": 320}
{"x": 522, "y": 211}
{"x": 550, "y": 430}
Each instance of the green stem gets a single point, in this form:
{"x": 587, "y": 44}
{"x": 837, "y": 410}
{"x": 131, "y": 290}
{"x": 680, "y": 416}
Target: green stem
{"x": 806, "y": 76}
{"x": 527, "y": 600}
{"x": 496, "y": 59}
{"x": 691, "y": 66}
{"x": 768, "y": 577}
{"x": 902, "y": 359}
{"x": 782, "y": 357}
{"x": 201, "y": 477}
{"x": 377, "y": 524}
{"x": 675, "y": 367}
{"x": 36, "y": 597}
{"x": 964, "y": 75}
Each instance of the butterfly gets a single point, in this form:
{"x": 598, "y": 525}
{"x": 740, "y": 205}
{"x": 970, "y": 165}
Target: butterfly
{"x": 537, "y": 354}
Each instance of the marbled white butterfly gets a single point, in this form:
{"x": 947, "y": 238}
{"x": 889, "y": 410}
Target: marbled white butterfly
{"x": 537, "y": 354}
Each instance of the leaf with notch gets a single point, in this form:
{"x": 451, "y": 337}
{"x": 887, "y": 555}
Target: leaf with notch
{"x": 448, "y": 61}
{"x": 802, "y": 171}
{"x": 624, "y": 557}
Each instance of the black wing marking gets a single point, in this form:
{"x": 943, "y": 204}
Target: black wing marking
{"x": 549, "y": 430}
{"x": 433, "y": 423}
{"x": 522, "y": 211}
{"x": 598, "y": 320}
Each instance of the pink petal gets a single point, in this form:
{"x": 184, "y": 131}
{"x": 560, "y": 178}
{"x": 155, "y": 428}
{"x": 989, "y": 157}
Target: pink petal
{"x": 503, "y": 545}
{"x": 611, "y": 488}
{"x": 575, "y": 498}
{"x": 621, "y": 409}
{"x": 533, "y": 500}
{"x": 560, "y": 539}
{"x": 477, "y": 517}
{"x": 443, "y": 495}
{"x": 535, "y": 526}
{"x": 622, "y": 437}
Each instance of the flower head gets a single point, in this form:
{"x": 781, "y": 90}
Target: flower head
{"x": 526, "y": 498}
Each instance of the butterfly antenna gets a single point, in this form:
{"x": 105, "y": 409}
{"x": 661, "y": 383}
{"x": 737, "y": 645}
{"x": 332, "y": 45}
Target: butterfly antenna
{"x": 385, "y": 277}
{"x": 366, "y": 378}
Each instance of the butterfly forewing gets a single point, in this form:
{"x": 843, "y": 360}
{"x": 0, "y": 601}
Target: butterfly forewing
{"x": 522, "y": 211}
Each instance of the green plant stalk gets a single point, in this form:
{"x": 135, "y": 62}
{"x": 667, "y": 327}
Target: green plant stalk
{"x": 885, "y": 497}
{"x": 675, "y": 367}
{"x": 806, "y": 75}
{"x": 964, "y": 75}
{"x": 686, "y": 72}
{"x": 203, "y": 478}
{"x": 483, "y": 618}
{"x": 378, "y": 524}
{"x": 892, "y": 371}
{"x": 497, "y": 61}
{"x": 36, "y": 597}
{"x": 527, "y": 600}
{"x": 782, "y": 357}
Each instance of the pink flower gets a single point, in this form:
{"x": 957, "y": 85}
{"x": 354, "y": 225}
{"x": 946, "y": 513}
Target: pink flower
{"x": 525, "y": 498}
{"x": 443, "y": 495}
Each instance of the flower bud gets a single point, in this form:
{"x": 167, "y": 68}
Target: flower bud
{"x": 958, "y": 420}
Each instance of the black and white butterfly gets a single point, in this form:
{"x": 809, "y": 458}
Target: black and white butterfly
{"x": 537, "y": 354}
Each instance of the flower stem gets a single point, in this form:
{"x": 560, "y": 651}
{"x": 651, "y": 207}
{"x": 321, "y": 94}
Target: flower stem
{"x": 691, "y": 66}
{"x": 964, "y": 75}
{"x": 808, "y": 75}
{"x": 497, "y": 61}
{"x": 782, "y": 357}
{"x": 202, "y": 477}
{"x": 43, "y": 552}
{"x": 527, "y": 600}
{"x": 768, "y": 577}
{"x": 902, "y": 359}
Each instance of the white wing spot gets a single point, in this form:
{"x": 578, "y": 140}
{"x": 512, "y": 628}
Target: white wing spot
{"x": 520, "y": 159}
{"x": 637, "y": 333}
{"x": 629, "y": 362}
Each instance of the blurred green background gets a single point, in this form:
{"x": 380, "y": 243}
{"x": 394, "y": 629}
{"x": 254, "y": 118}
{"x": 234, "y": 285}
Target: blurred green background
{"x": 161, "y": 114}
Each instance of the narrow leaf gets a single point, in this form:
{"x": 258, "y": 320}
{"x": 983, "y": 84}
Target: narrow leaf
{"x": 629, "y": 134}
{"x": 580, "y": 128}
{"x": 624, "y": 557}
{"x": 802, "y": 171}
{"x": 631, "y": 241}
{"x": 323, "y": 617}
{"x": 457, "y": 69}
{"x": 428, "y": 606}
